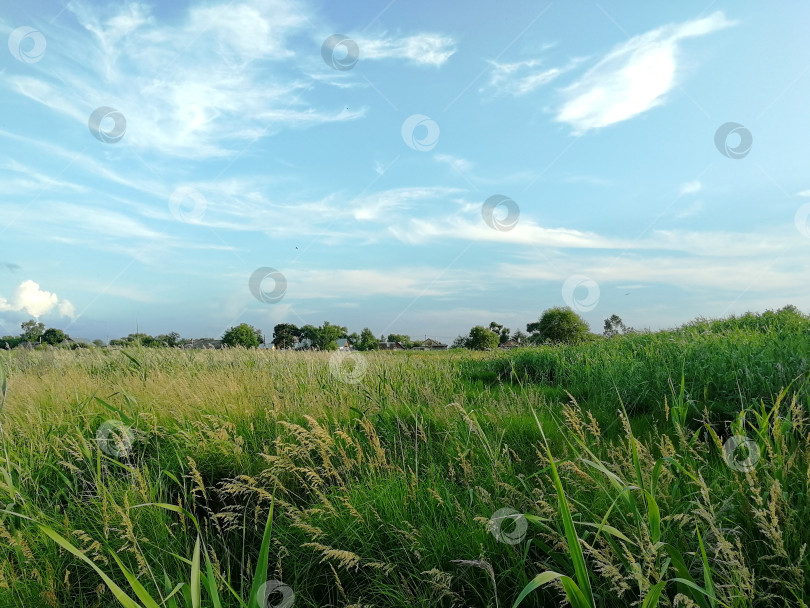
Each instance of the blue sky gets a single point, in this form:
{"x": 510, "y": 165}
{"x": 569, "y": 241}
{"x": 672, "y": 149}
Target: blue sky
{"x": 234, "y": 141}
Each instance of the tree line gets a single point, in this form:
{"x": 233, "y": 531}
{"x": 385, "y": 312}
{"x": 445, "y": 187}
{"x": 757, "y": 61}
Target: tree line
{"x": 555, "y": 325}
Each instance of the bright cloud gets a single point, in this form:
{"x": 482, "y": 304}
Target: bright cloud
{"x": 429, "y": 49}
{"x": 632, "y": 78}
{"x": 29, "y": 298}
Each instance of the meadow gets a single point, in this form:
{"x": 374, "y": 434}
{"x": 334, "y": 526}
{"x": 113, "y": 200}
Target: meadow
{"x": 654, "y": 469}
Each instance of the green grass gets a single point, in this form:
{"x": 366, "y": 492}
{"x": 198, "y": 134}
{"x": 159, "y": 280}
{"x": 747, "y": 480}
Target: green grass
{"x": 255, "y": 466}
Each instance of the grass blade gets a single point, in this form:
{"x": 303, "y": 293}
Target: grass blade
{"x": 195, "y": 575}
{"x": 139, "y": 589}
{"x": 685, "y": 577}
{"x": 707, "y": 571}
{"x": 210, "y": 582}
{"x": 580, "y": 568}
{"x": 653, "y": 595}
{"x": 260, "y": 575}
{"x": 119, "y": 594}
{"x": 537, "y": 582}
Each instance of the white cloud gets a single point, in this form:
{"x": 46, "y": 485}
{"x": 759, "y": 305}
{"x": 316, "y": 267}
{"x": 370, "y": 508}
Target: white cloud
{"x": 690, "y": 272}
{"x": 523, "y": 77}
{"x": 417, "y": 231}
{"x": 691, "y": 187}
{"x": 29, "y": 298}
{"x": 462, "y": 165}
{"x": 428, "y": 49}
{"x": 244, "y": 205}
{"x": 632, "y": 78}
{"x": 219, "y": 76}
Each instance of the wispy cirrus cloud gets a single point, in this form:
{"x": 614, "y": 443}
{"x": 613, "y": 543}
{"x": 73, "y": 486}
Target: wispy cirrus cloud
{"x": 692, "y": 272}
{"x": 219, "y": 76}
{"x": 634, "y": 77}
{"x": 200, "y": 88}
{"x": 523, "y": 77}
{"x": 426, "y": 49}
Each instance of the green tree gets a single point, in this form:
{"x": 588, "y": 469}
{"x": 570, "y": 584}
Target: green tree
{"x": 402, "y": 339}
{"x": 54, "y": 336}
{"x": 559, "y": 324}
{"x": 330, "y": 334}
{"x": 310, "y": 332}
{"x": 98, "y": 342}
{"x": 614, "y": 326}
{"x": 520, "y": 337}
{"x": 9, "y": 342}
{"x": 31, "y": 330}
{"x": 481, "y": 338}
{"x": 136, "y": 339}
{"x": 324, "y": 337}
{"x": 243, "y": 335}
{"x": 171, "y": 339}
{"x": 460, "y": 342}
{"x": 367, "y": 340}
{"x": 285, "y": 335}
{"x": 501, "y": 330}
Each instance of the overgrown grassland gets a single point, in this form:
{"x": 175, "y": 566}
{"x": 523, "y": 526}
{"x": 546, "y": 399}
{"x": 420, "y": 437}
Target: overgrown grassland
{"x": 382, "y": 492}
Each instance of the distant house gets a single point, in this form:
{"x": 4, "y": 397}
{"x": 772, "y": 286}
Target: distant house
{"x": 431, "y": 344}
{"x": 391, "y": 346}
{"x": 305, "y": 344}
{"x": 510, "y": 344}
{"x": 343, "y": 344}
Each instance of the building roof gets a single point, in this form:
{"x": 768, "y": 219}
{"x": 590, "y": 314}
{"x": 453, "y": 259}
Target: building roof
{"x": 391, "y": 346}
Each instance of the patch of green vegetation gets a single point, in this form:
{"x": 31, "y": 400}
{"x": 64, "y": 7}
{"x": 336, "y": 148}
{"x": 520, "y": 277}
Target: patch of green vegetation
{"x": 147, "y": 477}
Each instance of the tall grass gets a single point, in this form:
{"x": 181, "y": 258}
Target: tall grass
{"x": 727, "y": 364}
{"x": 252, "y": 475}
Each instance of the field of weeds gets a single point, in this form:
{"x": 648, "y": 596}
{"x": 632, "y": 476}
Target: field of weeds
{"x": 664, "y": 469}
